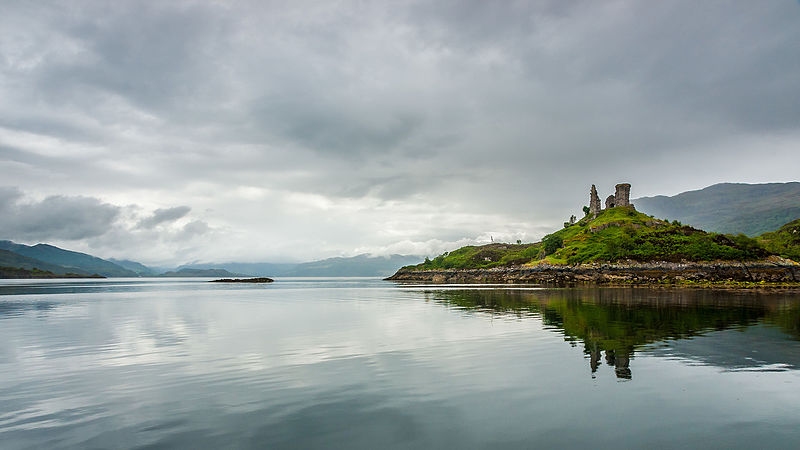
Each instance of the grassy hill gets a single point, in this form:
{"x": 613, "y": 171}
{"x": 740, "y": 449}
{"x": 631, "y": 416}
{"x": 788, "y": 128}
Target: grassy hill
{"x": 615, "y": 234}
{"x": 785, "y": 241}
{"x": 751, "y": 209}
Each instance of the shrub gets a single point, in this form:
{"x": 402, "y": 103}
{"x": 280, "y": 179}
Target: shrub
{"x": 552, "y": 243}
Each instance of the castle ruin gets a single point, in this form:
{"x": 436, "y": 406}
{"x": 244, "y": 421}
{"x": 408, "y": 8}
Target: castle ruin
{"x": 610, "y": 201}
{"x": 621, "y": 197}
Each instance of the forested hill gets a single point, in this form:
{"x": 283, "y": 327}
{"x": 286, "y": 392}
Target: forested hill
{"x": 733, "y": 208}
{"x": 67, "y": 260}
{"x": 9, "y": 259}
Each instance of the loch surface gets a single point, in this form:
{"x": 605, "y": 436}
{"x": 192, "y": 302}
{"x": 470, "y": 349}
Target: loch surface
{"x": 365, "y": 363}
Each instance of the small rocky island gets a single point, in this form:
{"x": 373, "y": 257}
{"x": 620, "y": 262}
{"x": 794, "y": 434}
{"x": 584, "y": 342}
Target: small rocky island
{"x": 619, "y": 245}
{"x": 244, "y": 280}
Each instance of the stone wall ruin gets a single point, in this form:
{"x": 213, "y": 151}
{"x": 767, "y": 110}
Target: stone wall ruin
{"x": 594, "y": 202}
{"x": 620, "y": 198}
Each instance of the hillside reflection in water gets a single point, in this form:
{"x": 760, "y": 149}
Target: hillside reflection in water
{"x": 612, "y": 324}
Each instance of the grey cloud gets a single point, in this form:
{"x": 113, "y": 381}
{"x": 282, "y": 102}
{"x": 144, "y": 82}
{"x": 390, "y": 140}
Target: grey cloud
{"x": 149, "y": 53}
{"x": 344, "y": 129}
{"x": 195, "y": 228}
{"x": 722, "y": 64}
{"x": 506, "y": 109}
{"x": 9, "y": 197}
{"x": 163, "y": 215}
{"x": 56, "y": 217}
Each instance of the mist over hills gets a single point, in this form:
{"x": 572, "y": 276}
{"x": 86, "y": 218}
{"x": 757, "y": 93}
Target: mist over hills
{"x": 201, "y": 273}
{"x": 357, "y": 266}
{"x": 732, "y": 208}
{"x": 140, "y": 269}
{"x": 250, "y": 269}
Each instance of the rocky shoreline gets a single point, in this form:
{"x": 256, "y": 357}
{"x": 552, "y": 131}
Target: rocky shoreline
{"x": 771, "y": 270}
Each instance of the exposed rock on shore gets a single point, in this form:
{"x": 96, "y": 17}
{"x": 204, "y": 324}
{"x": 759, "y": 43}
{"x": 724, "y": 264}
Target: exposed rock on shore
{"x": 772, "y": 270}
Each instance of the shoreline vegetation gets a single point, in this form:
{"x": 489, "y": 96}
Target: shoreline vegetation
{"x": 21, "y": 273}
{"x": 621, "y": 246}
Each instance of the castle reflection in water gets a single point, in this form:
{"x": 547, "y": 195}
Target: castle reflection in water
{"x": 614, "y": 323}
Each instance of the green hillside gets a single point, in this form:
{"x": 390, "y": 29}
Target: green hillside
{"x": 615, "y": 234}
{"x": 784, "y": 241}
{"x": 9, "y": 259}
{"x": 734, "y": 208}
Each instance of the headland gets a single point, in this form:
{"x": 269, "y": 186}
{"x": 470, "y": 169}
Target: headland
{"x": 616, "y": 245}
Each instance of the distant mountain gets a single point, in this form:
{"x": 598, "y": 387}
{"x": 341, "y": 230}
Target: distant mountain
{"x": 204, "y": 273}
{"x": 140, "y": 269}
{"x": 356, "y": 266}
{"x": 750, "y": 209}
{"x": 10, "y": 259}
{"x": 46, "y": 257}
{"x": 69, "y": 260}
{"x": 253, "y": 269}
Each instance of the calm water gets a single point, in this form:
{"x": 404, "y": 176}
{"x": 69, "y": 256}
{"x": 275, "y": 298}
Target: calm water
{"x": 362, "y": 363}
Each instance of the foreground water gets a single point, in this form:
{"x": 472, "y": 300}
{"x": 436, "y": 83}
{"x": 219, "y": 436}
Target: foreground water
{"x": 363, "y": 363}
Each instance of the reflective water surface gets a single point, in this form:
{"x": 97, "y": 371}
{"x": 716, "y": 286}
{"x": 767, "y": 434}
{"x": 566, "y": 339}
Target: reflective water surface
{"x": 363, "y": 363}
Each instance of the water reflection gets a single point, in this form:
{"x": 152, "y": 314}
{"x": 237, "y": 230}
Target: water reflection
{"x": 14, "y": 309}
{"x": 368, "y": 364}
{"x": 613, "y": 324}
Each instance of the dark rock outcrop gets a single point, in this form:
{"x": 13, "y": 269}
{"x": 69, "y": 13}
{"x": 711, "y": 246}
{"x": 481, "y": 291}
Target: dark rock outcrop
{"x": 244, "y": 280}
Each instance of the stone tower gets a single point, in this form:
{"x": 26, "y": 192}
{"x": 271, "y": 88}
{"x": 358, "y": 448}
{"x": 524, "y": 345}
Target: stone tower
{"x": 622, "y": 197}
{"x": 594, "y": 202}
{"x": 610, "y": 201}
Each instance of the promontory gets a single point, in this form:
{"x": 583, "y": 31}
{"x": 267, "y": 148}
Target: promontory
{"x": 620, "y": 245}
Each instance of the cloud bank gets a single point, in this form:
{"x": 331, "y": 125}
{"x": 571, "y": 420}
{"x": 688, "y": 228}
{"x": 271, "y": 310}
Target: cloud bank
{"x": 315, "y": 129}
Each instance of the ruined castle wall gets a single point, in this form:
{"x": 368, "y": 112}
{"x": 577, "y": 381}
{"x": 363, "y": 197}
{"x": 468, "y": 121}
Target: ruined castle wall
{"x": 622, "y": 197}
{"x": 594, "y": 202}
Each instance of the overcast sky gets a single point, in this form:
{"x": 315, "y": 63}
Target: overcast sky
{"x": 214, "y": 131}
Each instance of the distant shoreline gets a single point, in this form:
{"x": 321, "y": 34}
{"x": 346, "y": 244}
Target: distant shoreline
{"x": 18, "y": 273}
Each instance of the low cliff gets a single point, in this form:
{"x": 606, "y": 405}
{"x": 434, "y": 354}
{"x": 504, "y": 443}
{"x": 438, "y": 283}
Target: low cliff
{"x": 770, "y": 270}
